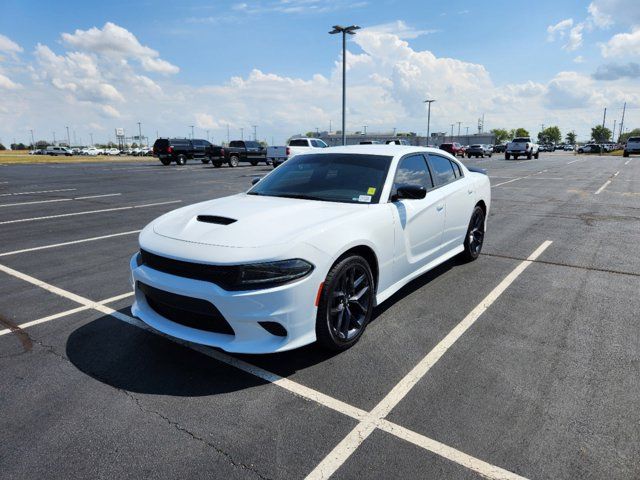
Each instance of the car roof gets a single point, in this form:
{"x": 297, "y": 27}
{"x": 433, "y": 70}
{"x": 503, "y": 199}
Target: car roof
{"x": 390, "y": 150}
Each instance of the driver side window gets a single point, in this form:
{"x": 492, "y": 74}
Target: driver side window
{"x": 412, "y": 170}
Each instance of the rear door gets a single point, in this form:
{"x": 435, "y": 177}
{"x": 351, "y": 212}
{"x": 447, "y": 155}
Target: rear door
{"x": 458, "y": 196}
{"x": 198, "y": 148}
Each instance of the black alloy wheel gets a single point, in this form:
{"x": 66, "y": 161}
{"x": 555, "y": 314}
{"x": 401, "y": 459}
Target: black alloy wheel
{"x": 346, "y": 304}
{"x": 475, "y": 235}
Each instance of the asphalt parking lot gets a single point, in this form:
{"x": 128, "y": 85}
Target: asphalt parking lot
{"x": 523, "y": 363}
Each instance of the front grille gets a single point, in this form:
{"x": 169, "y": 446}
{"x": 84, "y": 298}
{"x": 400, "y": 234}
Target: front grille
{"x": 190, "y": 312}
{"x": 224, "y": 276}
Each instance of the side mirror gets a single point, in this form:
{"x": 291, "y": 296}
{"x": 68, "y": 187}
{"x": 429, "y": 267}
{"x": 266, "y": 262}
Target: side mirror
{"x": 410, "y": 192}
{"x": 255, "y": 180}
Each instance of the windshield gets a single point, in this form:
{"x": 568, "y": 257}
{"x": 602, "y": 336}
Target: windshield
{"x": 521, "y": 140}
{"x": 334, "y": 177}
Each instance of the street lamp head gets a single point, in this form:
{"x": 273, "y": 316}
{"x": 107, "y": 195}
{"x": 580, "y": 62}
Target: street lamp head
{"x": 351, "y": 30}
{"x": 428, "y": 101}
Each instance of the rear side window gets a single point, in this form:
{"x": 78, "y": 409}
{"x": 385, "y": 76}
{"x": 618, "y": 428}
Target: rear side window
{"x": 318, "y": 143}
{"x": 252, "y": 144}
{"x": 412, "y": 170}
{"x": 442, "y": 169}
{"x": 301, "y": 142}
{"x": 236, "y": 144}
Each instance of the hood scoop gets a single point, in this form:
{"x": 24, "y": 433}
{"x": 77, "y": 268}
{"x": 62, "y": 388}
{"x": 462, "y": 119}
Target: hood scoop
{"x": 216, "y": 219}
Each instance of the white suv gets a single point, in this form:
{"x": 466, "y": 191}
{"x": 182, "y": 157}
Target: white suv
{"x": 632, "y": 146}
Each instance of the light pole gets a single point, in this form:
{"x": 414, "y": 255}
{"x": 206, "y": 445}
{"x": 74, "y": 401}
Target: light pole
{"x": 241, "y": 133}
{"x": 207, "y": 135}
{"x": 459, "y": 128}
{"x": 365, "y": 129}
{"x": 33, "y": 142}
{"x": 350, "y": 30}
{"x": 255, "y": 132}
{"x": 452, "y": 131}
{"x": 91, "y": 135}
{"x": 68, "y": 138}
{"x": 428, "y": 102}
{"x": 192, "y": 137}
{"x": 54, "y": 138}
{"x": 140, "y": 133}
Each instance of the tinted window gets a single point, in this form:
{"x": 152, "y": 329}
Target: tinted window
{"x": 236, "y": 144}
{"x": 634, "y": 139}
{"x": 318, "y": 143}
{"x": 335, "y": 177}
{"x": 412, "y": 170}
{"x": 252, "y": 144}
{"x": 456, "y": 169}
{"x": 301, "y": 142}
{"x": 442, "y": 169}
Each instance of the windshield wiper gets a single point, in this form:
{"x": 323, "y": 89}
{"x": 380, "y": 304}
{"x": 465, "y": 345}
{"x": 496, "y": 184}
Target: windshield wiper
{"x": 299, "y": 196}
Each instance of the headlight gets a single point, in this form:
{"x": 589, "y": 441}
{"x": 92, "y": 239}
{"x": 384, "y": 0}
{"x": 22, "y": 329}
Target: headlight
{"x": 271, "y": 274}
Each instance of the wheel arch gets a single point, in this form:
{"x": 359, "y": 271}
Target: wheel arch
{"x": 368, "y": 254}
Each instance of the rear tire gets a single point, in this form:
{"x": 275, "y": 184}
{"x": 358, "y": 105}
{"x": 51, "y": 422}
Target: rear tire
{"x": 181, "y": 160}
{"x": 475, "y": 235}
{"x": 165, "y": 161}
{"x": 205, "y": 160}
{"x": 537, "y": 155}
{"x": 217, "y": 164}
{"x": 529, "y": 155}
{"x": 346, "y": 304}
{"x": 254, "y": 163}
{"x": 507, "y": 156}
{"x": 625, "y": 154}
{"x": 234, "y": 161}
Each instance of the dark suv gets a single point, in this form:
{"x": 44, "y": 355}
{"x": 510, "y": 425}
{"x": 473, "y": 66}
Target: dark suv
{"x": 180, "y": 150}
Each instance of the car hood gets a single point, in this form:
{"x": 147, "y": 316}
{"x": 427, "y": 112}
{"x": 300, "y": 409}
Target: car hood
{"x": 259, "y": 220}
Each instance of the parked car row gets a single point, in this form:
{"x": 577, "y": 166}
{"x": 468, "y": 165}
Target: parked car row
{"x": 90, "y": 151}
{"x": 180, "y": 150}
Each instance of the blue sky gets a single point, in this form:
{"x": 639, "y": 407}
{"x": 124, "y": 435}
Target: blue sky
{"x": 464, "y": 53}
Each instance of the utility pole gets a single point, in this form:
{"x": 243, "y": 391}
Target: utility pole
{"x": 613, "y": 135}
{"x": 452, "y": 131}
{"x": 459, "y": 128}
{"x": 365, "y": 129}
{"x": 227, "y": 134}
{"x": 604, "y": 118}
{"x": 139, "y": 134}
{"x": 624, "y": 109}
{"x": 350, "y": 30}
{"x": 33, "y": 142}
{"x": 68, "y": 137}
{"x": 192, "y": 136}
{"x": 255, "y": 133}
{"x": 330, "y": 127}
{"x": 91, "y": 135}
{"x": 428, "y": 102}
{"x": 241, "y": 133}
{"x": 207, "y": 135}
{"x": 74, "y": 138}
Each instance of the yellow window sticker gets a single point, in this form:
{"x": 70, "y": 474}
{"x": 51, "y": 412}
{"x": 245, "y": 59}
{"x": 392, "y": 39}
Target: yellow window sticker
{"x": 371, "y": 191}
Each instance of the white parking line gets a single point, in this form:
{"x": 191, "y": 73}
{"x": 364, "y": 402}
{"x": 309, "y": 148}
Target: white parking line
{"x": 39, "y": 191}
{"x": 63, "y": 244}
{"x": 17, "y": 204}
{"x": 66, "y": 313}
{"x": 508, "y": 181}
{"x": 88, "y": 212}
{"x": 607, "y": 183}
{"x": 574, "y": 161}
{"x": 627, "y": 162}
{"x": 359, "y": 434}
{"x": 428, "y": 444}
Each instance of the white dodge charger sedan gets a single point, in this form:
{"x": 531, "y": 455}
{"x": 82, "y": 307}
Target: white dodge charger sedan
{"x": 308, "y": 252}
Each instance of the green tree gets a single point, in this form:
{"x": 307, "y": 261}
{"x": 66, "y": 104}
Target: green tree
{"x": 18, "y": 146}
{"x": 501, "y": 134}
{"x": 600, "y": 134}
{"x": 570, "y": 138}
{"x": 2, "y": 147}
{"x": 550, "y": 135}
{"x": 520, "y": 132}
{"x": 633, "y": 133}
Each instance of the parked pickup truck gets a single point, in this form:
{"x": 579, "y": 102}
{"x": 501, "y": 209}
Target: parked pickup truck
{"x": 180, "y": 150}
{"x": 243, "y": 151}
{"x": 522, "y": 146}
{"x": 278, "y": 155}
{"x": 632, "y": 146}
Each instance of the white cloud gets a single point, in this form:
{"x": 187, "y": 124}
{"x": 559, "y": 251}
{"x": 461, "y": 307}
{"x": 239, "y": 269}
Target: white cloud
{"x": 622, "y": 44}
{"x": 575, "y": 38}
{"x": 400, "y": 29}
{"x": 559, "y": 29}
{"x": 118, "y": 43}
{"x": 7, "y": 84}
{"x": 578, "y": 59}
{"x": 9, "y": 46}
{"x": 597, "y": 17}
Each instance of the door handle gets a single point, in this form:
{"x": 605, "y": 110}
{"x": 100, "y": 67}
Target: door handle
{"x": 439, "y": 207}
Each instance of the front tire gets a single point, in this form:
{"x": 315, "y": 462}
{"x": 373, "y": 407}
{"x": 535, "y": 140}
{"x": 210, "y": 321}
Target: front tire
{"x": 507, "y": 156}
{"x": 475, "y": 235}
{"x": 346, "y": 304}
{"x": 625, "y": 154}
{"x": 181, "y": 160}
{"x": 205, "y": 160}
{"x": 254, "y": 163}
{"x": 537, "y": 155}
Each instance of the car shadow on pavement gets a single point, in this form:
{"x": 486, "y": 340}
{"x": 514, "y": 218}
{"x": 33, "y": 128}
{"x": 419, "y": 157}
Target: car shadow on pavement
{"x": 132, "y": 359}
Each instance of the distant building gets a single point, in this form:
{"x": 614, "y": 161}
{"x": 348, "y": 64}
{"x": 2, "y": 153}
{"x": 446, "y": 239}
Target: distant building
{"x": 335, "y": 138}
